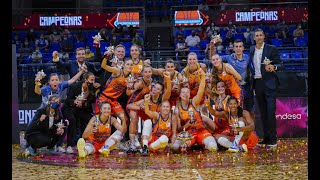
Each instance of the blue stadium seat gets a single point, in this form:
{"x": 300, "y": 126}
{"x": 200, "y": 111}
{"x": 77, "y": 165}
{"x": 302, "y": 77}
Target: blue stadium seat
{"x": 297, "y": 55}
{"x": 128, "y": 4}
{"x": 139, "y": 3}
{"x": 118, "y": 4}
{"x": 187, "y": 32}
{"x": 301, "y": 42}
{"x": 203, "y": 44}
{"x": 149, "y": 3}
{"x": 22, "y": 35}
{"x": 305, "y": 53}
{"x": 78, "y": 44}
{"x": 169, "y": 3}
{"x": 239, "y": 36}
{"x": 55, "y": 46}
{"x": 159, "y": 3}
{"x": 284, "y": 55}
{"x": 127, "y": 45}
{"x": 195, "y": 50}
{"x": 276, "y": 42}
{"x": 103, "y": 46}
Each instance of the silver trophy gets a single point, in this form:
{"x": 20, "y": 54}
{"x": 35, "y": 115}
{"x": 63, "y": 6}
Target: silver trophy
{"x": 110, "y": 48}
{"x": 97, "y": 38}
{"x": 184, "y": 136}
{"x": 266, "y": 61}
{"x": 234, "y": 126}
{"x": 216, "y": 39}
{"x": 80, "y": 97}
{"x": 209, "y": 72}
{"x": 40, "y": 75}
{"x": 191, "y": 113}
{"x": 96, "y": 124}
{"x": 60, "y": 125}
{"x": 184, "y": 79}
{"x": 176, "y": 81}
{"x": 130, "y": 79}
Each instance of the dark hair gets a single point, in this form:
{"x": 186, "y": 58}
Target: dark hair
{"x": 237, "y": 41}
{"x": 239, "y": 108}
{"x": 258, "y": 30}
{"x": 56, "y": 111}
{"x": 86, "y": 75}
{"x": 169, "y": 60}
{"x": 53, "y": 74}
{"x": 102, "y": 103}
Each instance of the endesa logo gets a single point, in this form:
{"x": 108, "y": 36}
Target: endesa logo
{"x": 288, "y": 116}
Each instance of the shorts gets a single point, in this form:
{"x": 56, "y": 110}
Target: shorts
{"x": 115, "y": 105}
{"x": 251, "y": 142}
{"x": 199, "y": 136}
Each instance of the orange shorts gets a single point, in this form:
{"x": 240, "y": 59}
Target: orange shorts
{"x": 115, "y": 105}
{"x": 199, "y": 136}
{"x": 142, "y": 115}
{"x": 96, "y": 144}
{"x": 221, "y": 129}
{"x": 251, "y": 142}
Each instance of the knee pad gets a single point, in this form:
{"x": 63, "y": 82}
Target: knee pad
{"x": 164, "y": 139}
{"x": 210, "y": 143}
{"x": 241, "y": 124}
{"x": 147, "y": 128}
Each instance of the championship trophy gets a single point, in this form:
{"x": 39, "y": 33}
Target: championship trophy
{"x": 216, "y": 39}
{"x": 234, "y": 126}
{"x": 130, "y": 80}
{"x": 80, "y": 97}
{"x": 266, "y": 61}
{"x": 185, "y": 137}
{"x": 39, "y": 76}
{"x": 208, "y": 75}
{"x": 55, "y": 56}
{"x": 96, "y": 124}
{"x": 191, "y": 113}
{"x": 60, "y": 125}
{"x": 96, "y": 40}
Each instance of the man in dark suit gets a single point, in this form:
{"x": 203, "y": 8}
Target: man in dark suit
{"x": 73, "y": 67}
{"x": 265, "y": 83}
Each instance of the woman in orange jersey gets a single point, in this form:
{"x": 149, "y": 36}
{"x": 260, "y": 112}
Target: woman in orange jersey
{"x": 189, "y": 73}
{"x": 188, "y": 116}
{"x": 154, "y": 105}
{"x": 174, "y": 77}
{"x": 137, "y": 62}
{"x": 115, "y": 86}
{"x": 241, "y": 137}
{"x": 164, "y": 126}
{"x": 136, "y": 92}
{"x": 229, "y": 75}
{"x": 97, "y": 135}
{"x": 220, "y": 98}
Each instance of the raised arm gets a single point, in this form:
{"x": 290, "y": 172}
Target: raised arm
{"x": 232, "y": 71}
{"x": 77, "y": 76}
{"x": 153, "y": 115}
{"x": 167, "y": 89}
{"x": 197, "y": 99}
{"x": 221, "y": 114}
{"x": 158, "y": 71}
{"x": 114, "y": 70}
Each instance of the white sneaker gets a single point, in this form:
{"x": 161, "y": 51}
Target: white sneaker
{"x": 61, "y": 149}
{"x": 70, "y": 150}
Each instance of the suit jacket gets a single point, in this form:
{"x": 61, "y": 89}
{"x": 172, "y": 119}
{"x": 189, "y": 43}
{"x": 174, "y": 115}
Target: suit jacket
{"x": 270, "y": 79}
{"x": 75, "y": 90}
{"x": 73, "y": 68}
